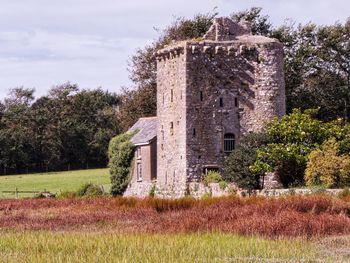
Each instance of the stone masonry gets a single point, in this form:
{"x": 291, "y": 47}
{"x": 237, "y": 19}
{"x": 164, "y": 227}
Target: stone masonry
{"x": 227, "y": 84}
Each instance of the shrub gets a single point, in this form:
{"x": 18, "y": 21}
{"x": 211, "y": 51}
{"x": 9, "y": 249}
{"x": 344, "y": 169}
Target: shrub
{"x": 293, "y": 138}
{"x": 237, "y": 165}
{"x": 212, "y": 177}
{"x": 345, "y": 194}
{"x": 152, "y": 191}
{"x": 120, "y": 155}
{"x": 326, "y": 167}
{"x": 89, "y": 190}
{"x": 223, "y": 185}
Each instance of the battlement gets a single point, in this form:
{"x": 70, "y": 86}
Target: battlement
{"x": 224, "y": 37}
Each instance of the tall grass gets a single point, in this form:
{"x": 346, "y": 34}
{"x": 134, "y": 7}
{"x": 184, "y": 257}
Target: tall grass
{"x": 104, "y": 247}
{"x": 306, "y": 216}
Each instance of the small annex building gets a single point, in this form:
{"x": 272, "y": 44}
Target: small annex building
{"x": 144, "y": 167}
{"x": 210, "y": 92}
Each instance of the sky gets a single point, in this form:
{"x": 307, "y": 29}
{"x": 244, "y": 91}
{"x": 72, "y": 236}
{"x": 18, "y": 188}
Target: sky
{"x": 89, "y": 42}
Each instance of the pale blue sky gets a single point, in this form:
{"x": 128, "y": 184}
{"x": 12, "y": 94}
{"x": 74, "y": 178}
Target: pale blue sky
{"x": 88, "y": 42}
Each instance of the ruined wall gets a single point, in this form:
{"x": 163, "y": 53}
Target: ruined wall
{"x": 230, "y": 82}
{"x": 171, "y": 131}
{"x": 232, "y": 87}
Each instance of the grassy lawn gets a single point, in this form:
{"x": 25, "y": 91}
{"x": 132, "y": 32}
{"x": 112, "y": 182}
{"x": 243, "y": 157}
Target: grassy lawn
{"x": 54, "y": 181}
{"x": 108, "y": 247}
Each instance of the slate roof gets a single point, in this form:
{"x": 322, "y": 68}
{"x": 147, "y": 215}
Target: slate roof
{"x": 147, "y": 130}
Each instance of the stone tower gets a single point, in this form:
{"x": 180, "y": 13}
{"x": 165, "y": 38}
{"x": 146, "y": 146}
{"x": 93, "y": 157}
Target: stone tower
{"x": 210, "y": 92}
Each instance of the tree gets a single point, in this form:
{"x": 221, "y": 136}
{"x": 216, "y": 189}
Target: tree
{"x": 140, "y": 100}
{"x": 120, "y": 154}
{"x": 326, "y": 167}
{"x": 293, "y": 138}
{"x": 237, "y": 165}
{"x": 66, "y": 129}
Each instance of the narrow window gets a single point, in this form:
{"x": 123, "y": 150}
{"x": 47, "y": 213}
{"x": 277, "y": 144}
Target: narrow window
{"x": 138, "y": 153}
{"x": 236, "y": 102}
{"x": 201, "y": 95}
{"x": 194, "y": 132}
{"x": 229, "y": 143}
{"x": 221, "y": 102}
{"x": 139, "y": 172}
{"x": 171, "y": 95}
{"x": 171, "y": 128}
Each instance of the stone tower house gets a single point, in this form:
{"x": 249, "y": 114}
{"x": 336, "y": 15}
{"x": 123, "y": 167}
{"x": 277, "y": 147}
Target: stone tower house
{"x": 210, "y": 92}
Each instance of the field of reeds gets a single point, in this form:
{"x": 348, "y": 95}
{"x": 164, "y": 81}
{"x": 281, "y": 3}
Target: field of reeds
{"x": 106, "y": 247}
{"x": 228, "y": 229}
{"x": 295, "y": 216}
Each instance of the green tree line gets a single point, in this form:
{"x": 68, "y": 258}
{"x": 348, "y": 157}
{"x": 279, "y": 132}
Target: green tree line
{"x": 316, "y": 64}
{"x": 66, "y": 129}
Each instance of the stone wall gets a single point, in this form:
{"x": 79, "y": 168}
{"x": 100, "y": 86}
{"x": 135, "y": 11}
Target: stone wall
{"x": 171, "y": 131}
{"x": 199, "y": 190}
{"x": 139, "y": 189}
{"x": 230, "y": 82}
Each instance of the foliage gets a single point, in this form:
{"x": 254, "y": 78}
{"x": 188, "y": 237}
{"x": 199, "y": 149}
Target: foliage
{"x": 152, "y": 191}
{"x": 67, "y": 129}
{"x": 223, "y": 185}
{"x": 326, "y": 167}
{"x": 237, "y": 167}
{"x": 293, "y": 138}
{"x": 345, "y": 194}
{"x": 89, "y": 190}
{"x": 140, "y": 100}
{"x": 260, "y": 24}
{"x": 317, "y": 73}
{"x": 120, "y": 154}
{"x": 212, "y": 177}
{"x": 316, "y": 64}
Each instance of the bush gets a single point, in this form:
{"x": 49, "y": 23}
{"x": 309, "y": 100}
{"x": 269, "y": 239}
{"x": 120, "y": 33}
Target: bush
{"x": 238, "y": 165}
{"x": 293, "y": 138}
{"x": 212, "y": 177}
{"x": 152, "y": 191}
{"x": 120, "y": 155}
{"x": 326, "y": 167}
{"x": 345, "y": 194}
{"x": 89, "y": 190}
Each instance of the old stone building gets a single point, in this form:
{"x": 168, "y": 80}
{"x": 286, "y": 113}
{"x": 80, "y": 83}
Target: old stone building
{"x": 210, "y": 92}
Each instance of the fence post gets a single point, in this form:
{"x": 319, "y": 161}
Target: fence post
{"x": 16, "y": 193}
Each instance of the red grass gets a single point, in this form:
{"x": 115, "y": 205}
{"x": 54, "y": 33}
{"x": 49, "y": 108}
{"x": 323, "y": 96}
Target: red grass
{"x": 293, "y": 216}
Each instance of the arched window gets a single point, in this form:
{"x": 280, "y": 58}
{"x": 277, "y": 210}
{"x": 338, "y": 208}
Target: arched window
{"x": 229, "y": 142}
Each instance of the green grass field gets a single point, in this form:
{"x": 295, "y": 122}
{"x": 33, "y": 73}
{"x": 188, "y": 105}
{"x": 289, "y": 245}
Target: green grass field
{"x": 108, "y": 247}
{"x": 55, "y": 182}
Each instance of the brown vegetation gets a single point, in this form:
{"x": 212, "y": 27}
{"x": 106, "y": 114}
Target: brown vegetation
{"x": 293, "y": 216}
